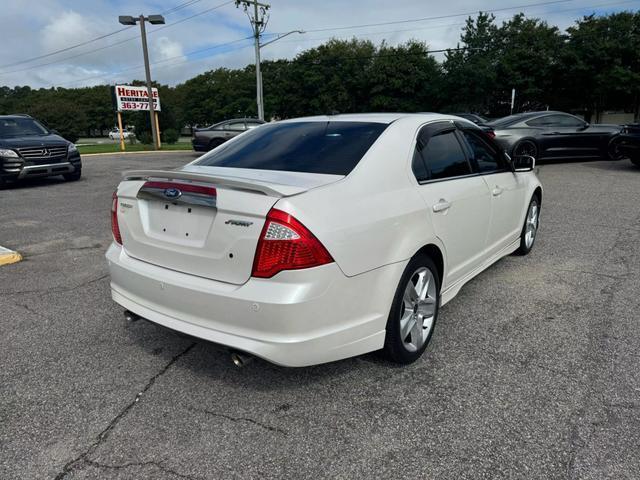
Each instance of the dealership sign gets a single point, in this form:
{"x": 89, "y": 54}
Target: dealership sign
{"x": 129, "y": 98}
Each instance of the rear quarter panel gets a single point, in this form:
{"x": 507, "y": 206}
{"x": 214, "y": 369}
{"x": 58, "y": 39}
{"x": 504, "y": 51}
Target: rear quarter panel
{"x": 375, "y": 216}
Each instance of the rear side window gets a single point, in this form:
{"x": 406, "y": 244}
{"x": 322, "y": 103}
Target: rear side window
{"x": 311, "y": 147}
{"x": 445, "y": 158}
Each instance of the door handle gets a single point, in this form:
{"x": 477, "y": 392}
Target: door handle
{"x": 441, "y": 206}
{"x": 497, "y": 191}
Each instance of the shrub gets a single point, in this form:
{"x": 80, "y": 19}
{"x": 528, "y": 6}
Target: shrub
{"x": 146, "y": 138}
{"x": 170, "y": 136}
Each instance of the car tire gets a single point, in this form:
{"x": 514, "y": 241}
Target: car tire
{"x": 635, "y": 159}
{"x": 414, "y": 311}
{"x": 530, "y": 227}
{"x": 525, "y": 147}
{"x": 216, "y": 142}
{"x": 73, "y": 176}
{"x": 613, "y": 149}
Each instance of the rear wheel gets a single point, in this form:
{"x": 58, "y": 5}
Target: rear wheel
{"x": 216, "y": 142}
{"x": 526, "y": 147}
{"x": 530, "y": 227}
{"x": 414, "y": 311}
{"x": 613, "y": 149}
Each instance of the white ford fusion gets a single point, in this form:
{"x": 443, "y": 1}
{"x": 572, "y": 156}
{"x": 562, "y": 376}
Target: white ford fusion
{"x": 316, "y": 239}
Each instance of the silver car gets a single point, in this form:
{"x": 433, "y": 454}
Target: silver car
{"x": 205, "y": 139}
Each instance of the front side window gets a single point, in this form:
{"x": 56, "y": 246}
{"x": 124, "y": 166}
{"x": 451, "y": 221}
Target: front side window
{"x": 313, "y": 147}
{"x": 485, "y": 156}
{"x": 445, "y": 158}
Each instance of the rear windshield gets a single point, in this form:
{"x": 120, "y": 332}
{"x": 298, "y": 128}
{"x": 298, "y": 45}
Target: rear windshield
{"x": 311, "y": 147}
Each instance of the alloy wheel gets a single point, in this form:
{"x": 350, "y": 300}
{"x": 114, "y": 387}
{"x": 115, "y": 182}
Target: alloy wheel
{"x": 418, "y": 310}
{"x": 526, "y": 147}
{"x": 531, "y": 225}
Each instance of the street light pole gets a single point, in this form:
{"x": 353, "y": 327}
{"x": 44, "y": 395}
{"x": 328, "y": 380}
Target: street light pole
{"x": 147, "y": 71}
{"x": 154, "y": 20}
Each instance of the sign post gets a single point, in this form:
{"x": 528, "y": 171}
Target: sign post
{"x": 121, "y": 133}
{"x": 513, "y": 99}
{"x": 130, "y": 98}
{"x": 158, "y": 129}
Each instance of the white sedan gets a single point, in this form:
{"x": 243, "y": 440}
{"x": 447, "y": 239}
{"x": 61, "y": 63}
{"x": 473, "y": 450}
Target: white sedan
{"x": 316, "y": 239}
{"x": 115, "y": 134}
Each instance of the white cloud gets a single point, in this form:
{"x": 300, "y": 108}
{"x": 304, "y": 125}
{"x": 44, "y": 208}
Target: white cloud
{"x": 36, "y": 27}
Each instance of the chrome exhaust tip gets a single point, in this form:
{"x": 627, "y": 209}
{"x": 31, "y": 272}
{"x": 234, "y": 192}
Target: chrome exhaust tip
{"x": 240, "y": 359}
{"x": 130, "y": 316}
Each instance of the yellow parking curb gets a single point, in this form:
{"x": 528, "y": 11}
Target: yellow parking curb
{"x": 9, "y": 256}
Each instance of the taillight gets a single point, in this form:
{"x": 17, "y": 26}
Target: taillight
{"x": 115, "y": 228}
{"x": 286, "y": 244}
{"x": 490, "y": 133}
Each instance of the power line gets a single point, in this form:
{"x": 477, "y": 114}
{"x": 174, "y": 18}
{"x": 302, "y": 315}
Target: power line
{"x": 159, "y": 62}
{"x": 71, "y": 47}
{"x": 179, "y": 7}
{"x": 439, "y": 17}
{"x": 113, "y": 44}
{"x": 448, "y": 24}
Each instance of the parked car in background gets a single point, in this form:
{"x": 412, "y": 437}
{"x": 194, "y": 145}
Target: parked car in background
{"x": 115, "y": 134}
{"x": 310, "y": 240}
{"x": 550, "y": 135}
{"x": 29, "y": 149}
{"x": 479, "y": 120}
{"x": 205, "y": 139}
{"x": 627, "y": 144}
{"x": 472, "y": 117}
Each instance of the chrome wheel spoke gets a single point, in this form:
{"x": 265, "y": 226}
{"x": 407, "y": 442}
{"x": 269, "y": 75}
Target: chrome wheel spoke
{"x": 418, "y": 309}
{"x": 417, "y": 332}
{"x": 406, "y": 325}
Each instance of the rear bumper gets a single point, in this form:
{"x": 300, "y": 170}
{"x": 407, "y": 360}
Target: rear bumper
{"x": 295, "y": 319}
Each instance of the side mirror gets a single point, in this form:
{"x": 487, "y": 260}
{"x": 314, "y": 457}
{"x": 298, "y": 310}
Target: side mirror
{"x": 523, "y": 163}
{"x": 586, "y": 125}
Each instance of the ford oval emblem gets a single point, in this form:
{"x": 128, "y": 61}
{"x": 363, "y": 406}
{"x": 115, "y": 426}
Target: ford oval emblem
{"x": 172, "y": 193}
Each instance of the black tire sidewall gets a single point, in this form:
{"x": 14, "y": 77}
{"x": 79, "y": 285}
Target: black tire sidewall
{"x": 215, "y": 143}
{"x": 525, "y": 140}
{"x": 394, "y": 348}
{"x": 523, "y": 250}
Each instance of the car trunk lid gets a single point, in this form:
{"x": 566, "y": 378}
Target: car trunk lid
{"x": 204, "y": 221}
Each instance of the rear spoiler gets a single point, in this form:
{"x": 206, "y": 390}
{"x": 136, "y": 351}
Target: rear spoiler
{"x": 236, "y": 183}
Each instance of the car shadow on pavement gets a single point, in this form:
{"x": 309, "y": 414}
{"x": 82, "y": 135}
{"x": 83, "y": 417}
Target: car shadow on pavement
{"x": 208, "y": 359}
{"x": 34, "y": 183}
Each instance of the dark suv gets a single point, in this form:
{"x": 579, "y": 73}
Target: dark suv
{"x": 29, "y": 149}
{"x": 205, "y": 139}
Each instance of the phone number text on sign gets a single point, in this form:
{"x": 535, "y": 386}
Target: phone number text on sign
{"x": 136, "y": 106}
{"x": 135, "y": 98}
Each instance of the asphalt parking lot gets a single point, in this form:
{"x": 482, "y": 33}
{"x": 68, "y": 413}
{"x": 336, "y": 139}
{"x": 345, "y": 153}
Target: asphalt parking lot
{"x": 533, "y": 371}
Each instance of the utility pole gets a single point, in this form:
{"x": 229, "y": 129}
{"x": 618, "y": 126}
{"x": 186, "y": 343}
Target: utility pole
{"x": 154, "y": 20}
{"x": 258, "y": 16}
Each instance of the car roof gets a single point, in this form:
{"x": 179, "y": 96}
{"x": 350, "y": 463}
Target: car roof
{"x": 373, "y": 117}
{"x": 518, "y": 117}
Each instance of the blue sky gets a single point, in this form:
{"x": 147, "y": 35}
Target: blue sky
{"x": 213, "y": 38}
